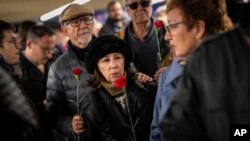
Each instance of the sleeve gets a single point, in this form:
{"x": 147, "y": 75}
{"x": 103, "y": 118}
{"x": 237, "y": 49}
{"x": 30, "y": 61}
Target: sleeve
{"x": 183, "y": 120}
{"x": 56, "y": 102}
{"x": 155, "y": 133}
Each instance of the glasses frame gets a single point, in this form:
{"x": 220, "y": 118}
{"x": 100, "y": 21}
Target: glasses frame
{"x": 171, "y": 27}
{"x": 46, "y": 50}
{"x": 135, "y": 5}
{"x": 87, "y": 20}
{"x": 14, "y": 42}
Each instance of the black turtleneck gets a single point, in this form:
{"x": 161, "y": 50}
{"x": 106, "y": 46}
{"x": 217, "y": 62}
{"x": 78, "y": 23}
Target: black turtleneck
{"x": 80, "y": 52}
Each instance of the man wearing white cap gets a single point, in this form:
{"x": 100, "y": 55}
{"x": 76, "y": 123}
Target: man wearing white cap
{"x": 66, "y": 94}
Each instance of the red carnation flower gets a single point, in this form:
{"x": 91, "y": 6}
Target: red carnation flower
{"x": 158, "y": 24}
{"x": 77, "y": 72}
{"x": 120, "y": 83}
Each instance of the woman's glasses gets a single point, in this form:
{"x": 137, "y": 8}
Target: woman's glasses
{"x": 134, "y": 5}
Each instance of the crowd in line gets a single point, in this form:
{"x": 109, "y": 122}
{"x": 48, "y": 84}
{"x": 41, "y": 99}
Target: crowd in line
{"x": 184, "y": 76}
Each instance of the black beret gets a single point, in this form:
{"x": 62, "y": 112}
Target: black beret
{"x": 104, "y": 45}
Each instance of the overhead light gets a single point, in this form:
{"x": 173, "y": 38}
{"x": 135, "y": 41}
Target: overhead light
{"x": 59, "y": 10}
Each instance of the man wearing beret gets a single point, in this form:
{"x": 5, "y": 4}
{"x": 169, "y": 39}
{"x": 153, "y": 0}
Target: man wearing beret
{"x": 65, "y": 93}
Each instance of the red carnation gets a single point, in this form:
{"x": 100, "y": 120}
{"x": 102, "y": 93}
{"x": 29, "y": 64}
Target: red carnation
{"x": 120, "y": 83}
{"x": 158, "y": 24}
{"x": 77, "y": 72}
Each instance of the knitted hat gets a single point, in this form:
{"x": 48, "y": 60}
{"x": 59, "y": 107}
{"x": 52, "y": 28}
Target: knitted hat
{"x": 74, "y": 10}
{"x": 104, "y": 45}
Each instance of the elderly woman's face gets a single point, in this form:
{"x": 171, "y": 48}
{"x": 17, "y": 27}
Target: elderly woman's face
{"x": 112, "y": 66}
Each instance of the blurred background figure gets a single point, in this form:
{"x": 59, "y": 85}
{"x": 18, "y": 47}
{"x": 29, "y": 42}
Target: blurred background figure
{"x": 115, "y": 22}
{"x": 22, "y": 32}
{"x": 148, "y": 45}
{"x": 61, "y": 39}
{"x": 18, "y": 119}
{"x": 34, "y": 64}
{"x": 214, "y": 90}
{"x": 160, "y": 14}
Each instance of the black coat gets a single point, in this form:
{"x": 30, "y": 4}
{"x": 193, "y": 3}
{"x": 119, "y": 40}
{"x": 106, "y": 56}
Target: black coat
{"x": 113, "y": 122}
{"x": 34, "y": 86}
{"x": 214, "y": 92}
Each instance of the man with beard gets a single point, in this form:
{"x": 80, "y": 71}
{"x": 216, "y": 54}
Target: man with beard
{"x": 66, "y": 94}
{"x": 115, "y": 22}
{"x": 140, "y": 33}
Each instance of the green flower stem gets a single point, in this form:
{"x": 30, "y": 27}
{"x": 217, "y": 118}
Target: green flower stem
{"x": 77, "y": 103}
{"x": 159, "y": 49}
{"x": 129, "y": 114}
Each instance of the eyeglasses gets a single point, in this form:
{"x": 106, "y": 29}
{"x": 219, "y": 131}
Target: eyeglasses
{"x": 46, "y": 50}
{"x": 173, "y": 26}
{"x": 134, "y": 5}
{"x": 14, "y": 42}
{"x": 76, "y": 22}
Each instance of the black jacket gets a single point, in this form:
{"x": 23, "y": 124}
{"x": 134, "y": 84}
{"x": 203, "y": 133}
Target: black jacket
{"x": 214, "y": 92}
{"x": 113, "y": 122}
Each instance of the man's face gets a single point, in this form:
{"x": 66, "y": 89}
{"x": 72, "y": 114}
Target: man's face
{"x": 9, "y": 48}
{"x": 79, "y": 29}
{"x": 139, "y": 11}
{"x": 42, "y": 49}
{"x": 116, "y": 12}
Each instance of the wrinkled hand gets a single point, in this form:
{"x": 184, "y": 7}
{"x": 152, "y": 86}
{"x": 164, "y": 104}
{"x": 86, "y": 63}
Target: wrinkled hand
{"x": 78, "y": 124}
{"x": 158, "y": 73}
{"x": 143, "y": 78}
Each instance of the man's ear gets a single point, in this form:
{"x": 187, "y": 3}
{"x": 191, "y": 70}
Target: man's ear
{"x": 201, "y": 29}
{"x": 28, "y": 43}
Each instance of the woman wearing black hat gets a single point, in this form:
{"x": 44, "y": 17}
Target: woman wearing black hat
{"x": 119, "y": 111}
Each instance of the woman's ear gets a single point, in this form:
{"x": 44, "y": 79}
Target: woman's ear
{"x": 201, "y": 29}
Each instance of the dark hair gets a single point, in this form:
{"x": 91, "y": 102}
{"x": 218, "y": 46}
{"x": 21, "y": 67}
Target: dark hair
{"x": 23, "y": 30}
{"x": 39, "y": 31}
{"x": 3, "y": 27}
{"x": 110, "y": 4}
{"x": 212, "y": 12}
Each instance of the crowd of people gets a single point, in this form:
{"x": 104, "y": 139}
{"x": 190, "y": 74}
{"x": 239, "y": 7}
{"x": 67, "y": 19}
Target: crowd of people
{"x": 184, "y": 76}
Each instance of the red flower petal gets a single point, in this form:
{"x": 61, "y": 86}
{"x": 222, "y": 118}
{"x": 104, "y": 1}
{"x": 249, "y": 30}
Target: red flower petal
{"x": 120, "y": 83}
{"x": 77, "y": 71}
{"x": 158, "y": 24}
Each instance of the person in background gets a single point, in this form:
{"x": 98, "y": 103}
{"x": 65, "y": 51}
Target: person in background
{"x": 160, "y": 13}
{"x": 115, "y": 22}
{"x": 19, "y": 121}
{"x": 34, "y": 65}
{"x": 22, "y": 32}
{"x": 63, "y": 89}
{"x": 61, "y": 40}
{"x": 110, "y": 109}
{"x": 9, "y": 49}
{"x": 141, "y": 35}
{"x": 214, "y": 91}
{"x": 186, "y": 28}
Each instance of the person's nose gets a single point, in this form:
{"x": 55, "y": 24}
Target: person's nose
{"x": 82, "y": 24}
{"x": 18, "y": 45}
{"x": 167, "y": 36}
{"x": 113, "y": 64}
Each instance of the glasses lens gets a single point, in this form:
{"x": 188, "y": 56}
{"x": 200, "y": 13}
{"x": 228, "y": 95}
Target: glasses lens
{"x": 133, "y": 5}
{"x": 144, "y": 3}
